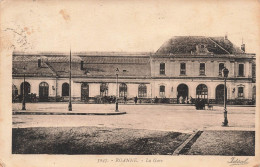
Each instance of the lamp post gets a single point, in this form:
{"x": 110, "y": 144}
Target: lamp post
{"x": 225, "y": 72}
{"x": 23, "y": 102}
{"x": 117, "y": 71}
{"x": 70, "y": 105}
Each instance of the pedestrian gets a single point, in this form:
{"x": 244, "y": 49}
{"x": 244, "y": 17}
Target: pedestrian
{"x": 156, "y": 99}
{"x": 125, "y": 99}
{"x": 180, "y": 100}
{"x": 136, "y": 99}
{"x": 186, "y": 100}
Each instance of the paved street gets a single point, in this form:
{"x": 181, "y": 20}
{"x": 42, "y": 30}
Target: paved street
{"x": 151, "y": 117}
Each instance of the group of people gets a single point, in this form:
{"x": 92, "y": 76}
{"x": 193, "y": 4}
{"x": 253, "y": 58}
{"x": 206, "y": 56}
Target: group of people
{"x": 181, "y": 100}
{"x": 185, "y": 100}
{"x": 135, "y": 99}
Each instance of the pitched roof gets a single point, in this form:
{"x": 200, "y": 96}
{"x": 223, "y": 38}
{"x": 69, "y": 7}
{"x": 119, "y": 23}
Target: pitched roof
{"x": 94, "y": 66}
{"x": 31, "y": 68}
{"x": 189, "y": 44}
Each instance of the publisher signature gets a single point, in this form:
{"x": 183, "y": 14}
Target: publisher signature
{"x": 236, "y": 161}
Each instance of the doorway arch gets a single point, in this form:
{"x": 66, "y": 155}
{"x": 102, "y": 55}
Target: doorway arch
{"x": 43, "y": 91}
{"x": 183, "y": 93}
{"x": 26, "y": 90}
{"x": 202, "y": 91}
{"x": 65, "y": 89}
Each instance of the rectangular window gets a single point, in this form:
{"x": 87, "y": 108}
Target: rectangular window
{"x": 253, "y": 70}
{"x": 39, "y": 63}
{"x": 183, "y": 69}
{"x": 162, "y": 91}
{"x": 82, "y": 65}
{"x": 240, "y": 92}
{"x": 241, "y": 70}
{"x": 220, "y": 67}
{"x": 162, "y": 68}
{"x": 202, "y": 68}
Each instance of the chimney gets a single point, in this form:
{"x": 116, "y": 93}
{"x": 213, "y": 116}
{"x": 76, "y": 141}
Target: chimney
{"x": 226, "y": 36}
{"x": 82, "y": 65}
{"x": 243, "y": 47}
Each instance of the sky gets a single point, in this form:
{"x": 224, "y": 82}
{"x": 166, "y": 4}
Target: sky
{"x": 129, "y": 26}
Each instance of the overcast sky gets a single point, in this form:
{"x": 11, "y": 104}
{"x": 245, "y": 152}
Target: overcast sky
{"x": 125, "y": 26}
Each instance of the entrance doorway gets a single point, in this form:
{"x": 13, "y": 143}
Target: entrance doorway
{"x": 183, "y": 92}
{"x": 202, "y": 91}
{"x": 84, "y": 91}
{"x": 220, "y": 94}
{"x": 43, "y": 91}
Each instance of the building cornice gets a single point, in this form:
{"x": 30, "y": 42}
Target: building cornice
{"x": 145, "y": 78}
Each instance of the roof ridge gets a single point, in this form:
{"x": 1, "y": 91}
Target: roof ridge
{"x": 217, "y": 44}
{"x": 51, "y": 68}
{"x": 79, "y": 53}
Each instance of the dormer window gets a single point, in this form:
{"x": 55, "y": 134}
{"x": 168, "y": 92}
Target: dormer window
{"x": 201, "y": 48}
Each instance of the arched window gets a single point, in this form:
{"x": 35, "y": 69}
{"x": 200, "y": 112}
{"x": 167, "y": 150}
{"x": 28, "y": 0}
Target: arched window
{"x": 65, "y": 89}
{"x": 14, "y": 90}
{"x": 142, "y": 90}
{"x": 103, "y": 89}
{"x": 162, "y": 91}
{"x": 202, "y": 91}
{"x": 43, "y": 91}
{"x": 26, "y": 88}
{"x": 122, "y": 90}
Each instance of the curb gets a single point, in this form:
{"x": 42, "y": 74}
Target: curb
{"x": 193, "y": 137}
{"x": 60, "y": 113}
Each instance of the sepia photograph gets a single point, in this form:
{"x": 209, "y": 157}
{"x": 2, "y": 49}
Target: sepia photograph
{"x": 123, "y": 83}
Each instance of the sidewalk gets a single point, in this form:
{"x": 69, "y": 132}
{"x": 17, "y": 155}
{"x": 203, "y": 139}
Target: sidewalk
{"x": 62, "y": 109}
{"x": 220, "y": 142}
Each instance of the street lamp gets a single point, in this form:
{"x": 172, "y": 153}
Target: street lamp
{"x": 23, "y": 102}
{"x": 70, "y": 105}
{"x": 225, "y": 72}
{"x": 117, "y": 71}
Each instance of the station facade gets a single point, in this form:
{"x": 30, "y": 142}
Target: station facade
{"x": 183, "y": 68}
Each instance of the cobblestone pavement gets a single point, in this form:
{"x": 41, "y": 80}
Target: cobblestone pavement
{"x": 153, "y": 117}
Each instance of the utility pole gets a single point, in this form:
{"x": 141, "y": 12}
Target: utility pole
{"x": 70, "y": 105}
{"x": 23, "y": 107}
{"x": 117, "y": 71}
{"x": 225, "y": 74}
